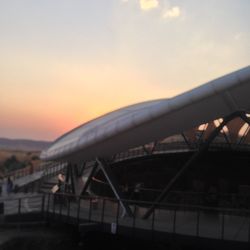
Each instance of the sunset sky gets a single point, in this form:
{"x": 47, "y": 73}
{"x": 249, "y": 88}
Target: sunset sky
{"x": 64, "y": 62}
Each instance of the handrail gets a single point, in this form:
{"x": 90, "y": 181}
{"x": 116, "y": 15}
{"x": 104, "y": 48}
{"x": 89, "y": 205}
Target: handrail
{"x": 46, "y": 167}
{"x": 182, "y": 197}
{"x": 84, "y": 209}
{"x": 165, "y": 147}
{"x": 148, "y": 203}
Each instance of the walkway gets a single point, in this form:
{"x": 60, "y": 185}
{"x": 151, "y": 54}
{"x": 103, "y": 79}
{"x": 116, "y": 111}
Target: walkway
{"x": 204, "y": 222}
{"x": 200, "y": 223}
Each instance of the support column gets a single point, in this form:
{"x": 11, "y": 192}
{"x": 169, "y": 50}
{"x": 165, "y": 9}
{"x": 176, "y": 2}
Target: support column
{"x": 89, "y": 178}
{"x": 114, "y": 185}
{"x": 82, "y": 168}
{"x": 67, "y": 178}
{"x": 189, "y": 163}
{"x": 73, "y": 179}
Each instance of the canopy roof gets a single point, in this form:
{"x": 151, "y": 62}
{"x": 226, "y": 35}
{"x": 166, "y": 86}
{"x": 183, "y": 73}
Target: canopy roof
{"x": 142, "y": 123}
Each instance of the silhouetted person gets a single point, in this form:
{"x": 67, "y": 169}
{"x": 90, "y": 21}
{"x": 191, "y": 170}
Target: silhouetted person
{"x": 137, "y": 191}
{"x": 9, "y": 185}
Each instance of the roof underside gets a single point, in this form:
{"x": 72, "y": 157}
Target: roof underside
{"x": 153, "y": 120}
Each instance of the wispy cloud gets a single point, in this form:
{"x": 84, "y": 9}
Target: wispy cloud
{"x": 149, "y": 4}
{"x": 173, "y": 12}
{"x": 165, "y": 13}
{"x": 238, "y": 36}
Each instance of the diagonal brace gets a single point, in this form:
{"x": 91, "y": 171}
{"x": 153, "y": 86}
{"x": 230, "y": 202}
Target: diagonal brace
{"x": 114, "y": 185}
{"x": 189, "y": 163}
{"x": 89, "y": 179}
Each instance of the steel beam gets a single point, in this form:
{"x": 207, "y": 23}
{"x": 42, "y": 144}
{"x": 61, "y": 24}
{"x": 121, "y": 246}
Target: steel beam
{"x": 186, "y": 140}
{"x": 245, "y": 118}
{"x": 67, "y": 177}
{"x": 89, "y": 178}
{"x": 189, "y": 163}
{"x": 73, "y": 179}
{"x": 113, "y": 184}
{"x": 82, "y": 168}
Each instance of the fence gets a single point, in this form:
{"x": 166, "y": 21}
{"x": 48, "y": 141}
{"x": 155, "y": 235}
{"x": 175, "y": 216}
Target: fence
{"x": 196, "y": 221}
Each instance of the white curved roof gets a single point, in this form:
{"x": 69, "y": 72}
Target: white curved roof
{"x": 153, "y": 120}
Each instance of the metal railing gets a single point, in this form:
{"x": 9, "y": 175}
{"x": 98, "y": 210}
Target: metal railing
{"x": 222, "y": 200}
{"x": 196, "y": 221}
{"x": 54, "y": 169}
{"x": 165, "y": 147}
{"x": 17, "y": 210}
{"x": 27, "y": 171}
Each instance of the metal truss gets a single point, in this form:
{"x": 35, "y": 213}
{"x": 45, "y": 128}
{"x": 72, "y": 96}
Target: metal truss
{"x": 201, "y": 150}
{"x": 104, "y": 166}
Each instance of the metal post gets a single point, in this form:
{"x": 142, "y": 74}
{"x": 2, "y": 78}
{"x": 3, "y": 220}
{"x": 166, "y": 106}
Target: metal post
{"x": 117, "y": 213}
{"x": 61, "y": 204}
{"x": 174, "y": 222}
{"x": 19, "y": 211}
{"x": 134, "y": 217}
{"x": 198, "y": 223}
{"x": 223, "y": 225}
{"x": 68, "y": 174}
{"x": 48, "y": 205}
{"x": 72, "y": 179}
{"x": 78, "y": 210}
{"x": 114, "y": 185}
{"x": 186, "y": 140}
{"x": 19, "y": 206}
{"x": 43, "y": 204}
{"x": 103, "y": 209}
{"x": 90, "y": 208}
{"x": 68, "y": 209}
{"x": 54, "y": 198}
{"x": 248, "y": 214}
{"x": 153, "y": 224}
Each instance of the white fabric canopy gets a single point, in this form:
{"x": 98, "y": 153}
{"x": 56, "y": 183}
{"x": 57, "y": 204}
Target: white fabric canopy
{"x": 153, "y": 120}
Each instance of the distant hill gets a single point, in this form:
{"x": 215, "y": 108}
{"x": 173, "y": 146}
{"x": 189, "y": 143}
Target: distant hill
{"x": 22, "y": 144}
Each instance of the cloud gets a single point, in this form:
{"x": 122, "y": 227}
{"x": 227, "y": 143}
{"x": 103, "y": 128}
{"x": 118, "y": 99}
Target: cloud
{"x": 173, "y": 12}
{"x": 148, "y": 4}
{"x": 238, "y": 36}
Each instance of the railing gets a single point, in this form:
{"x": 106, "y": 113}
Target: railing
{"x": 162, "y": 148}
{"x": 34, "y": 179}
{"x": 17, "y": 209}
{"x": 54, "y": 169}
{"x": 196, "y": 221}
{"x": 199, "y": 221}
{"x": 50, "y": 169}
{"x": 222, "y": 200}
{"x": 26, "y": 171}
